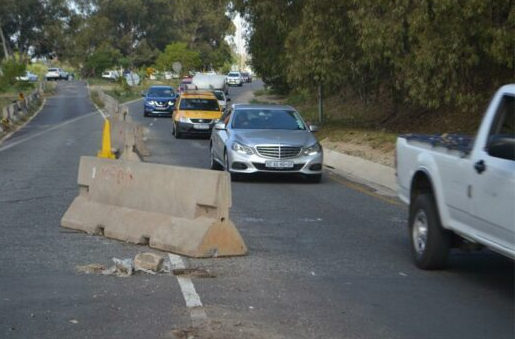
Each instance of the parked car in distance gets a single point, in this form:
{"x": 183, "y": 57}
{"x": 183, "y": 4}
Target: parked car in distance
{"x": 56, "y": 74}
{"x": 195, "y": 113}
{"x": 170, "y": 75}
{"x": 461, "y": 190}
{"x": 265, "y": 138}
{"x": 222, "y": 99}
{"x": 246, "y": 77}
{"x": 159, "y": 100}
{"x": 110, "y": 75}
{"x": 28, "y": 76}
{"x": 234, "y": 79}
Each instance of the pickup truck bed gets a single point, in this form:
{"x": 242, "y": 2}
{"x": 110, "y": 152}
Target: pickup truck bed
{"x": 458, "y": 142}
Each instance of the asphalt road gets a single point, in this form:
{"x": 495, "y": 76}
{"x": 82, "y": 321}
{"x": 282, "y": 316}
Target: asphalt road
{"x": 325, "y": 261}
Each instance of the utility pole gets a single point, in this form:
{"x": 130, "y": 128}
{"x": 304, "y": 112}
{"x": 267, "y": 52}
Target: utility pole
{"x": 320, "y": 102}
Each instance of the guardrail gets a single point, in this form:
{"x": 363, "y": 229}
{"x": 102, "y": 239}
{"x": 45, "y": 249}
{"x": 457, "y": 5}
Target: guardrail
{"x": 16, "y": 111}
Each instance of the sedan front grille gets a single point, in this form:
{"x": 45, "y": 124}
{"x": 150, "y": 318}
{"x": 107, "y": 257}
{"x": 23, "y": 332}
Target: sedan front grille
{"x": 278, "y": 152}
{"x": 201, "y": 121}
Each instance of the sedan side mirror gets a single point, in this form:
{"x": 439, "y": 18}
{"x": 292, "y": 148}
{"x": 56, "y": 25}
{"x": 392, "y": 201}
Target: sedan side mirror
{"x": 501, "y": 146}
{"x": 313, "y": 128}
{"x": 220, "y": 126}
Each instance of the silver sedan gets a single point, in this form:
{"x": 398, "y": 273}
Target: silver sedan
{"x": 265, "y": 138}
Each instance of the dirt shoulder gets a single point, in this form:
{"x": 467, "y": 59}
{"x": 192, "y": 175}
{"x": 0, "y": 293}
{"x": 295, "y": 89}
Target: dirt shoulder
{"x": 379, "y": 156}
{"x": 349, "y": 136}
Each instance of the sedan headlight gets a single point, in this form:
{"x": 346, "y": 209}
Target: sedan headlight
{"x": 183, "y": 119}
{"x": 171, "y": 103}
{"x": 151, "y": 103}
{"x": 242, "y": 149}
{"x": 312, "y": 150}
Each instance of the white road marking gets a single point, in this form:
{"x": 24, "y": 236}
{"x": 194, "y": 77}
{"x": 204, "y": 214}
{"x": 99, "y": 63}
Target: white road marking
{"x": 151, "y": 124}
{"x": 35, "y": 135}
{"x": 192, "y": 299}
{"x": 155, "y": 119}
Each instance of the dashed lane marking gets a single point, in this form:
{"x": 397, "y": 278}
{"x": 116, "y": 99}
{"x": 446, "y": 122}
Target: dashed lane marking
{"x": 197, "y": 313}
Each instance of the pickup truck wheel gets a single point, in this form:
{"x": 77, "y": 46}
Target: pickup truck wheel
{"x": 430, "y": 243}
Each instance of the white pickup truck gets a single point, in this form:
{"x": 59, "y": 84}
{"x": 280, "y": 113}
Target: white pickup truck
{"x": 461, "y": 190}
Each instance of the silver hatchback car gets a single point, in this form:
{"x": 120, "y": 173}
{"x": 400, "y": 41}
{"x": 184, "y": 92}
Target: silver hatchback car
{"x": 265, "y": 138}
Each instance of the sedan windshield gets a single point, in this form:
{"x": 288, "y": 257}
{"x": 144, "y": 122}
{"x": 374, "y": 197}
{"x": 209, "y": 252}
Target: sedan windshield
{"x": 267, "y": 119}
{"x": 160, "y": 92}
{"x": 234, "y": 74}
{"x": 199, "y": 105}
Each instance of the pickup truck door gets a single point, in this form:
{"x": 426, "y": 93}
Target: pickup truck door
{"x": 493, "y": 183}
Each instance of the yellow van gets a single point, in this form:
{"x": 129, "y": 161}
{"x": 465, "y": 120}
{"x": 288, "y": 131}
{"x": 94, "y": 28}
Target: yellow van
{"x": 195, "y": 113}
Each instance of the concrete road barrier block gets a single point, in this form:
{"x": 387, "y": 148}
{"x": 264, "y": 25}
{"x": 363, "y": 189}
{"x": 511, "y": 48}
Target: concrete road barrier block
{"x": 127, "y": 139}
{"x": 139, "y": 135}
{"x": 175, "y": 209}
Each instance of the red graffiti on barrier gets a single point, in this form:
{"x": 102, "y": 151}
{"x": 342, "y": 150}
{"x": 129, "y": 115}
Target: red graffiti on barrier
{"x": 120, "y": 174}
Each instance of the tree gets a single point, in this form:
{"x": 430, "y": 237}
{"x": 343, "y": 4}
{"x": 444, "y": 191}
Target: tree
{"x": 322, "y": 48}
{"x": 179, "y": 52}
{"x": 270, "y": 24}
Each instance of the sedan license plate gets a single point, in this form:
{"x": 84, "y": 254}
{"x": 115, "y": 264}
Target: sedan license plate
{"x": 279, "y": 164}
{"x": 201, "y": 126}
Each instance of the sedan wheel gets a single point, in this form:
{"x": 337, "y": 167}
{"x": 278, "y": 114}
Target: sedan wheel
{"x": 234, "y": 176}
{"x": 214, "y": 164}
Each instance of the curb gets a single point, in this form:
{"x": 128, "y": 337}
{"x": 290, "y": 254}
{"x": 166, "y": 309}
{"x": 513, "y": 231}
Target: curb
{"x": 363, "y": 169}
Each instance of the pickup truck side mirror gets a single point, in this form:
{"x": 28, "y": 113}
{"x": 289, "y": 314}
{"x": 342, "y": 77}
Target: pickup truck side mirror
{"x": 501, "y": 146}
{"x": 313, "y": 128}
{"x": 220, "y": 126}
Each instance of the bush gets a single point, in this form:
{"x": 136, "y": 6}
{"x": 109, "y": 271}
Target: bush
{"x": 10, "y": 70}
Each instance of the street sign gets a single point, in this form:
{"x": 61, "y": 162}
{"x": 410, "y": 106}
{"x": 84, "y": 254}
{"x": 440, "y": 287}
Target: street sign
{"x": 132, "y": 79}
{"x": 177, "y": 67}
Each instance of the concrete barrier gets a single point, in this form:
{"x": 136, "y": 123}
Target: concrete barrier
{"x": 361, "y": 168}
{"x": 123, "y": 137}
{"x": 176, "y": 209}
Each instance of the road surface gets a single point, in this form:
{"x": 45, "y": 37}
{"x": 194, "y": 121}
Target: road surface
{"x": 327, "y": 260}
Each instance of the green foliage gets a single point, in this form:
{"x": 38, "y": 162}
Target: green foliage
{"x": 101, "y": 60}
{"x": 271, "y": 22}
{"x": 10, "y": 70}
{"x": 425, "y": 54}
{"x": 179, "y": 52}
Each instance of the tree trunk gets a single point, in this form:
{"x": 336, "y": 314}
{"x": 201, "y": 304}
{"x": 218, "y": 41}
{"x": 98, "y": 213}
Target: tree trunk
{"x": 4, "y": 43}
